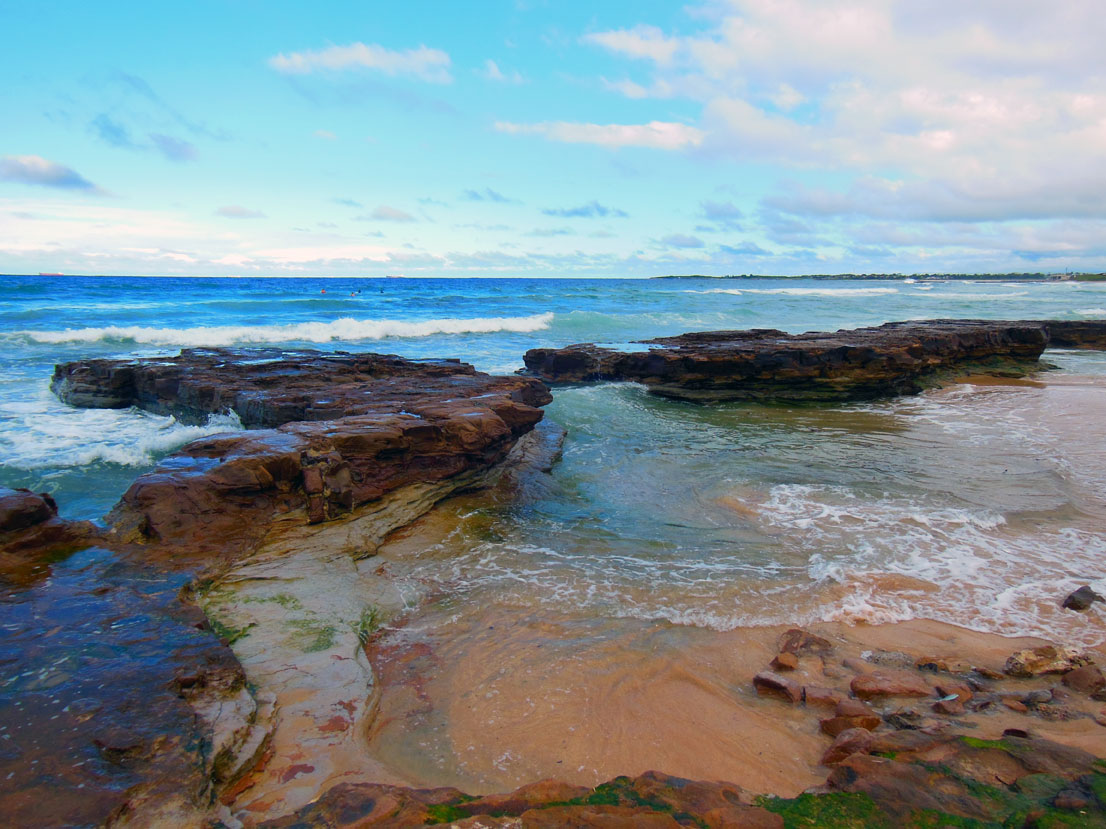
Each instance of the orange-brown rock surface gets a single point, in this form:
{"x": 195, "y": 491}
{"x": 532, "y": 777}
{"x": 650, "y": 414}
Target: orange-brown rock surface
{"x": 328, "y": 433}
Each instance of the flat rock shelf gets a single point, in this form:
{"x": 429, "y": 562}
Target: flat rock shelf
{"x": 766, "y": 364}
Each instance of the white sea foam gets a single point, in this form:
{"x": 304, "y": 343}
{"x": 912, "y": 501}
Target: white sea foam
{"x": 346, "y": 328}
{"x": 1092, "y": 312}
{"x": 43, "y": 434}
{"x": 802, "y": 291}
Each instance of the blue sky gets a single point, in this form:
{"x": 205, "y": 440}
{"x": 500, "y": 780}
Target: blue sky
{"x": 552, "y": 138}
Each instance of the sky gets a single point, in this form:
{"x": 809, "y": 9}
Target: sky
{"x": 559, "y": 138}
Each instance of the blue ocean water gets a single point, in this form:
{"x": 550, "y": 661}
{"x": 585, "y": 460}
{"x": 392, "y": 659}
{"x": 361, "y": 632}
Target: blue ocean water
{"x": 979, "y": 503}
{"x": 87, "y": 458}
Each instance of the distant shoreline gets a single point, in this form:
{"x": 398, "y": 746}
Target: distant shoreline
{"x": 921, "y": 277}
{"x": 929, "y": 277}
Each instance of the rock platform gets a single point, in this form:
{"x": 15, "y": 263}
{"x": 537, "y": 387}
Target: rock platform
{"x": 766, "y": 364}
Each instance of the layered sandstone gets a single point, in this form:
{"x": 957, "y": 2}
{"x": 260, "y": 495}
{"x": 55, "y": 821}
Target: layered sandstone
{"x": 326, "y": 435}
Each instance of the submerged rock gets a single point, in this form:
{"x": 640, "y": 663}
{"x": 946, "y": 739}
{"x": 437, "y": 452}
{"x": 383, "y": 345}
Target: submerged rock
{"x": 895, "y": 358}
{"x": 31, "y": 533}
{"x": 1082, "y": 598}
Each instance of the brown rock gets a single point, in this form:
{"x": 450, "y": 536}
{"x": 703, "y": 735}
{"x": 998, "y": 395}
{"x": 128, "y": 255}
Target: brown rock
{"x": 798, "y": 641}
{"x": 785, "y": 662}
{"x": 21, "y": 508}
{"x": 337, "y": 431}
{"x": 848, "y": 742}
{"x": 773, "y": 684}
{"x": 961, "y": 689}
{"x": 853, "y": 708}
{"x": 890, "y": 683}
{"x": 1086, "y": 680}
{"x": 1082, "y": 598}
{"x": 952, "y": 707}
{"x": 599, "y": 817}
{"x": 837, "y": 725}
{"x": 715, "y": 804}
{"x": 769, "y": 364}
{"x": 524, "y": 798}
{"x": 368, "y": 805}
{"x": 1047, "y": 659}
{"x": 817, "y": 695}
{"x": 857, "y": 665}
{"x": 1014, "y": 705}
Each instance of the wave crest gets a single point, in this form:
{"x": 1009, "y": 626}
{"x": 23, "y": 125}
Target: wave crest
{"x": 346, "y": 328}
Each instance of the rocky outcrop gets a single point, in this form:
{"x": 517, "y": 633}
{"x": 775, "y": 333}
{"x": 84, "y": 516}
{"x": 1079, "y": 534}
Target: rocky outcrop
{"x": 896, "y": 358}
{"x": 1089, "y": 334}
{"x": 334, "y": 432}
{"x": 119, "y": 705}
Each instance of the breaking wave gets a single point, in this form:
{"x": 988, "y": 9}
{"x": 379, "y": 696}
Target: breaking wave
{"x": 346, "y": 328}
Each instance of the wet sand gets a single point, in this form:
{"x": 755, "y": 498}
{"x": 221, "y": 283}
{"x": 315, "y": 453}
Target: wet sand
{"x": 490, "y": 702}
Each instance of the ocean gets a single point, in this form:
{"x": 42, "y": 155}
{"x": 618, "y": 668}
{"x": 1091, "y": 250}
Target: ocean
{"x": 979, "y": 503}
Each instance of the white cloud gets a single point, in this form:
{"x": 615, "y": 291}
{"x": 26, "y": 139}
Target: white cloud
{"x": 991, "y": 109}
{"x": 492, "y": 72}
{"x": 237, "y": 211}
{"x": 384, "y": 213}
{"x": 326, "y": 135}
{"x": 658, "y": 135}
{"x": 639, "y": 42}
{"x": 427, "y": 64}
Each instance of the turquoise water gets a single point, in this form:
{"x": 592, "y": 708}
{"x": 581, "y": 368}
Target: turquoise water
{"x": 87, "y": 458}
{"x": 977, "y": 503}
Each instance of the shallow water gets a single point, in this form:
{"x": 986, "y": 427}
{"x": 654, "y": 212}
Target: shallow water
{"x": 666, "y": 524}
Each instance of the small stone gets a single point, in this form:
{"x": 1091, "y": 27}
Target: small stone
{"x": 775, "y": 685}
{"x": 1086, "y": 680}
{"x": 890, "y": 659}
{"x": 799, "y": 641}
{"x": 1100, "y": 718}
{"x": 817, "y": 695}
{"x": 785, "y": 661}
{"x": 949, "y": 707}
{"x": 833, "y": 672}
{"x": 1060, "y": 694}
{"x": 837, "y": 725}
{"x": 1082, "y": 598}
{"x": 987, "y": 672}
{"x": 848, "y": 742}
{"x": 1047, "y": 659}
{"x": 1014, "y": 705}
{"x": 890, "y": 683}
{"x": 1037, "y": 698}
{"x": 1020, "y": 733}
{"x": 940, "y": 664}
{"x": 853, "y": 708}
{"x": 960, "y": 689}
